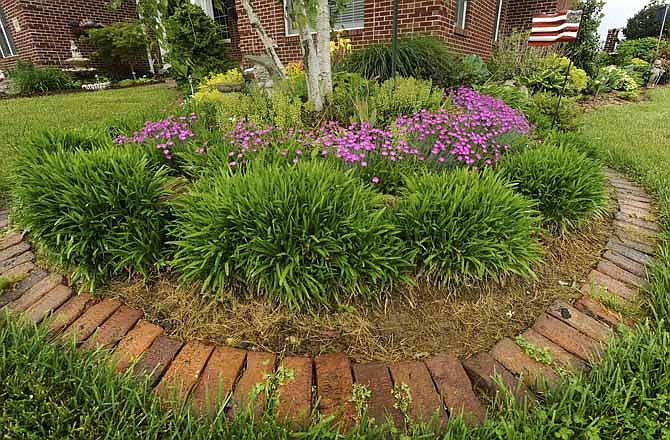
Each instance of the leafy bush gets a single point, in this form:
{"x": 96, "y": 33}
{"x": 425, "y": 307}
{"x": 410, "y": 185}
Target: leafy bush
{"x": 351, "y": 97}
{"x": 614, "y": 78}
{"x": 573, "y": 139}
{"x": 513, "y": 96}
{"x": 468, "y": 226}
{"x": 550, "y": 77}
{"x": 120, "y": 43}
{"x": 512, "y": 58}
{"x": 567, "y": 185}
{"x": 542, "y": 111}
{"x": 642, "y": 48}
{"x": 419, "y": 57}
{"x": 101, "y": 211}
{"x": 307, "y": 236}
{"x": 208, "y": 90}
{"x": 405, "y": 96}
{"x": 30, "y": 80}
{"x": 196, "y": 46}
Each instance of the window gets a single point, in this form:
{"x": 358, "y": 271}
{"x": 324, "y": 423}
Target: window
{"x": 461, "y": 13}
{"x": 496, "y": 31}
{"x": 350, "y": 18}
{"x": 7, "y": 48}
{"x": 221, "y": 17}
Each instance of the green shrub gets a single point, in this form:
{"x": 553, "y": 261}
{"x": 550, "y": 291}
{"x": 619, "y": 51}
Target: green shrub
{"x": 550, "y": 77}
{"x": 102, "y": 211}
{"x": 574, "y": 139}
{"x": 51, "y": 140}
{"x": 196, "y": 46}
{"x": 513, "y": 96}
{"x": 512, "y": 58}
{"x": 643, "y": 48}
{"x": 30, "y": 80}
{"x": 351, "y": 93}
{"x": 543, "y": 108}
{"x": 405, "y": 96}
{"x": 419, "y": 57}
{"x": 567, "y": 185}
{"x": 468, "y": 226}
{"x": 119, "y": 44}
{"x": 281, "y": 109}
{"x": 307, "y": 236}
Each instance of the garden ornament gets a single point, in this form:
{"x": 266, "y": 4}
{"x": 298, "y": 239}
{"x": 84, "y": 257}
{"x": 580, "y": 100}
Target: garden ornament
{"x": 263, "y": 71}
{"x": 657, "y": 72}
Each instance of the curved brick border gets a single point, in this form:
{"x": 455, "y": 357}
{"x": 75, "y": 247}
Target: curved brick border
{"x": 573, "y": 334}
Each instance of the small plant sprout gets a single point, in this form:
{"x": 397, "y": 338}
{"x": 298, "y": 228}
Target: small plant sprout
{"x": 360, "y": 396}
{"x": 403, "y": 399}
{"x": 541, "y": 355}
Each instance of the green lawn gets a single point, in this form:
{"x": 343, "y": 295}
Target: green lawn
{"x": 51, "y": 392}
{"x": 22, "y": 117}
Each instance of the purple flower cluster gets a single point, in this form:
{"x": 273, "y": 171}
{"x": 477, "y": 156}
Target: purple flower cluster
{"x": 164, "y": 133}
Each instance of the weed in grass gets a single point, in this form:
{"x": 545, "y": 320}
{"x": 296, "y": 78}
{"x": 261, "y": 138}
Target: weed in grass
{"x": 542, "y": 355}
{"x": 9, "y": 281}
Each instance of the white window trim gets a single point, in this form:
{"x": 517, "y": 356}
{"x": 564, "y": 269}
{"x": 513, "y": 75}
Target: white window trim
{"x": 461, "y": 25}
{"x": 207, "y": 6}
{"x": 5, "y": 36}
{"x": 288, "y": 33}
{"x": 496, "y": 36}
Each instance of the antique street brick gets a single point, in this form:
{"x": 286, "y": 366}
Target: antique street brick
{"x": 13, "y": 251}
{"x": 70, "y": 311}
{"x": 22, "y": 287}
{"x": 184, "y": 371}
{"x": 334, "y": 383}
{"x": 639, "y": 233}
{"x": 512, "y": 357}
{"x": 295, "y": 395}
{"x": 113, "y": 329}
{"x": 568, "y": 338}
{"x": 217, "y": 379}
{"x": 34, "y": 293}
{"x": 559, "y": 356}
{"x": 637, "y": 256}
{"x": 20, "y": 271}
{"x": 651, "y": 226}
{"x": 576, "y": 319}
{"x": 426, "y": 402}
{"x": 597, "y": 282}
{"x": 11, "y": 240}
{"x": 626, "y": 263}
{"x": 48, "y": 303}
{"x": 156, "y": 359}
{"x": 649, "y": 249}
{"x": 91, "y": 319}
{"x": 489, "y": 375}
{"x": 259, "y": 366}
{"x": 6, "y": 265}
{"x": 377, "y": 378}
{"x": 595, "y": 309}
{"x": 454, "y": 386}
{"x": 136, "y": 342}
{"x": 614, "y": 271}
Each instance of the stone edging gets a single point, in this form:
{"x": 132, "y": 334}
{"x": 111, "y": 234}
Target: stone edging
{"x": 572, "y": 334}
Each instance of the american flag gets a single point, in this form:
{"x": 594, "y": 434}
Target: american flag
{"x": 554, "y": 28}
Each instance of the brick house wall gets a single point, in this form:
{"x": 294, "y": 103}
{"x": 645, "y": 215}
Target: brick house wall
{"x": 518, "y": 14}
{"x": 426, "y": 17}
{"x": 612, "y": 40}
{"x": 44, "y": 35}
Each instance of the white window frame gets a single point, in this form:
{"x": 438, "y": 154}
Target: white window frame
{"x": 463, "y": 19}
{"x": 337, "y": 27}
{"x": 4, "y": 34}
{"x": 208, "y": 7}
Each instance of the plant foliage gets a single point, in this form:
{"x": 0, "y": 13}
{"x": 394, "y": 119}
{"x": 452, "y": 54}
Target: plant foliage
{"x": 567, "y": 186}
{"x": 27, "y": 79}
{"x": 307, "y": 236}
{"x": 468, "y": 226}
{"x": 120, "y": 43}
{"x": 645, "y": 22}
{"x": 102, "y": 212}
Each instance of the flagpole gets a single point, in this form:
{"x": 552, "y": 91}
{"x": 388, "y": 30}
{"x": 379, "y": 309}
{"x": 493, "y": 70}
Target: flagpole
{"x": 660, "y": 36}
{"x": 567, "y": 73}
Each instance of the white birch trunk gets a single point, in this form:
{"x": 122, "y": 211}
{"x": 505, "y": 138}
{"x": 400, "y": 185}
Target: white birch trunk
{"x": 268, "y": 43}
{"x": 312, "y": 68}
{"x": 323, "y": 46}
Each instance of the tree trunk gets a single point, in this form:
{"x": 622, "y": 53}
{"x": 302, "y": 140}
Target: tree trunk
{"x": 323, "y": 46}
{"x": 312, "y": 68}
{"x": 268, "y": 43}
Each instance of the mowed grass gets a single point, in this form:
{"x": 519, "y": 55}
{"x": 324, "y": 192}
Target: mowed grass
{"x": 21, "y": 118}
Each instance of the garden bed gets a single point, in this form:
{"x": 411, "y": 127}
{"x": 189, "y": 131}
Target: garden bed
{"x": 409, "y": 323}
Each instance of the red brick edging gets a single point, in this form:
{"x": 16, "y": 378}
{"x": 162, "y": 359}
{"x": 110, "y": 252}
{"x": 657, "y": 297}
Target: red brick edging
{"x": 440, "y": 386}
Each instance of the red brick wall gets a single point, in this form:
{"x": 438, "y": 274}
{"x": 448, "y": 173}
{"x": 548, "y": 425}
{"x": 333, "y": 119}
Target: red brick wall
{"x": 21, "y": 39}
{"x": 430, "y": 17}
{"x": 45, "y": 34}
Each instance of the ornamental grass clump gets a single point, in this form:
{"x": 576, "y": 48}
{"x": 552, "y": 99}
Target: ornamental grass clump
{"x": 468, "y": 226}
{"x": 567, "y": 186}
{"x": 306, "y": 236}
{"x": 102, "y": 212}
